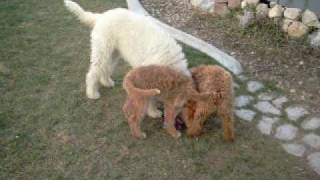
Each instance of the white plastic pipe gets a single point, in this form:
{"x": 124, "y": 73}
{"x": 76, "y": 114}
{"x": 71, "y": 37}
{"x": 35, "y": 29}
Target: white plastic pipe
{"x": 224, "y": 59}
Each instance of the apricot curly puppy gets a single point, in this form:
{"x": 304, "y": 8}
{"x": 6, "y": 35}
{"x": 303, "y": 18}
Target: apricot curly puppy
{"x": 218, "y": 82}
{"x": 164, "y": 84}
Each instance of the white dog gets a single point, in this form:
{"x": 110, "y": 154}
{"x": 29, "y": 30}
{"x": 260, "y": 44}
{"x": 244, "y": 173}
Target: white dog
{"x": 135, "y": 38}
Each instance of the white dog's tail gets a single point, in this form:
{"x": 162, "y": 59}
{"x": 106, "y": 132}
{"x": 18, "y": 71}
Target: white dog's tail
{"x": 87, "y": 18}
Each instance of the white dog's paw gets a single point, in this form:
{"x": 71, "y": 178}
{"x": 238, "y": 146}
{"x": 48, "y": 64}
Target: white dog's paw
{"x": 107, "y": 82}
{"x": 93, "y": 95}
{"x": 155, "y": 113}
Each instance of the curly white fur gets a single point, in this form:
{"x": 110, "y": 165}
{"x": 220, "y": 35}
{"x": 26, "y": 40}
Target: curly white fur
{"x": 121, "y": 33}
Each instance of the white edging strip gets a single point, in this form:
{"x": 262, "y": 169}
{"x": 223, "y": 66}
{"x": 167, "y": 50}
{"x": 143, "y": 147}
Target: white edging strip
{"x": 224, "y": 59}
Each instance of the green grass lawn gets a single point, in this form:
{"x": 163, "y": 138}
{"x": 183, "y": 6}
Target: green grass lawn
{"x": 50, "y": 130}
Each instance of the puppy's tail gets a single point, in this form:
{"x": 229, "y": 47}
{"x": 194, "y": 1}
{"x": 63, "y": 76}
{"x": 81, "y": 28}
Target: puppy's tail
{"x": 87, "y": 18}
{"x": 131, "y": 89}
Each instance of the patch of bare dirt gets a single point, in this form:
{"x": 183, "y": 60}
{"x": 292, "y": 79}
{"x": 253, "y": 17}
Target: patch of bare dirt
{"x": 265, "y": 52}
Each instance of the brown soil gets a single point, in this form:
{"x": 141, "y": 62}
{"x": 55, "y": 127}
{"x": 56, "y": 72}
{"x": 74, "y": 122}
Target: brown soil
{"x": 264, "y": 51}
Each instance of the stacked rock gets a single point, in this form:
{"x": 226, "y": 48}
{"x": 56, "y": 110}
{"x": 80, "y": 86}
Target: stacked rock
{"x": 217, "y": 7}
{"x": 221, "y": 7}
{"x": 295, "y": 22}
{"x": 203, "y": 5}
{"x": 252, "y": 10}
{"x": 311, "y": 20}
{"x": 292, "y": 25}
{"x": 262, "y": 11}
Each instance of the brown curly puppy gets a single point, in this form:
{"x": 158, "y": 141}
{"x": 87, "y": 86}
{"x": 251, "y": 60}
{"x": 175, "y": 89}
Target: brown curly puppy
{"x": 217, "y": 82}
{"x": 164, "y": 84}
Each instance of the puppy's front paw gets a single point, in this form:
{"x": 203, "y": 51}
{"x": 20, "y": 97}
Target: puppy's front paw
{"x": 141, "y": 135}
{"x": 175, "y": 134}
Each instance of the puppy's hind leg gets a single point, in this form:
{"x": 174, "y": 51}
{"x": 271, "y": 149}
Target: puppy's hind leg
{"x": 225, "y": 112}
{"x": 135, "y": 110}
{"x": 225, "y": 109}
{"x": 169, "y": 121}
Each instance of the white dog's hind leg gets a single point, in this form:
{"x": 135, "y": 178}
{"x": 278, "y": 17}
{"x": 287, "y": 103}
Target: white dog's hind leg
{"x": 105, "y": 79}
{"x": 152, "y": 109}
{"x": 92, "y": 82}
{"x": 101, "y": 63}
{"x": 99, "y": 67}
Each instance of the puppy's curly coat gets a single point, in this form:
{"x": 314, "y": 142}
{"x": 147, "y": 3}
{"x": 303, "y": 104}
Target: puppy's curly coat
{"x": 218, "y": 82}
{"x": 163, "y": 83}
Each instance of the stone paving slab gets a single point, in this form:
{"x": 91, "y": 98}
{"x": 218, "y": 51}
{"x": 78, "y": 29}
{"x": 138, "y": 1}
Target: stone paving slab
{"x": 280, "y": 101}
{"x": 270, "y": 120}
{"x": 294, "y": 113}
{"x": 266, "y": 123}
{"x": 265, "y": 127}
{"x": 314, "y": 161}
{"x": 266, "y": 96}
{"x": 245, "y": 114}
{"x": 286, "y": 132}
{"x": 311, "y": 124}
{"x": 294, "y": 149}
{"x": 267, "y": 108}
{"x": 243, "y": 100}
{"x": 243, "y": 78}
{"x": 254, "y": 86}
{"x": 312, "y": 140}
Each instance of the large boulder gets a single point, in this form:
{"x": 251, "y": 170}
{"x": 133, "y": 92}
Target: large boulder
{"x": 252, "y": 2}
{"x": 297, "y": 29}
{"x": 247, "y": 19}
{"x": 276, "y": 11}
{"x": 204, "y": 5}
{"x": 310, "y": 19}
{"x": 221, "y": 8}
{"x": 273, "y": 4}
{"x": 292, "y": 13}
{"x": 262, "y": 11}
{"x": 232, "y": 4}
{"x": 244, "y": 4}
{"x": 314, "y": 39}
{"x": 286, "y": 23}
